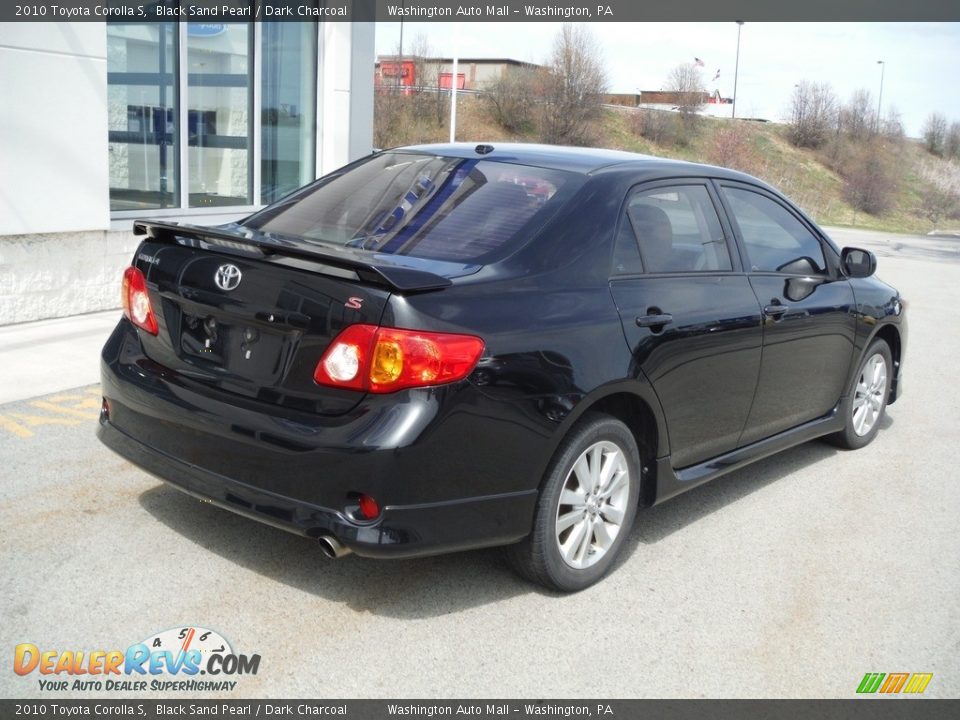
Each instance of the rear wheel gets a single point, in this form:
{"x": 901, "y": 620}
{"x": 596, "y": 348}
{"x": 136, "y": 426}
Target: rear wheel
{"x": 586, "y": 507}
{"x": 868, "y": 402}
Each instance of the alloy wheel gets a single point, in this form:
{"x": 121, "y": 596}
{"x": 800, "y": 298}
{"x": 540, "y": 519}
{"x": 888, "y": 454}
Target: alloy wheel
{"x": 592, "y": 505}
{"x": 868, "y": 397}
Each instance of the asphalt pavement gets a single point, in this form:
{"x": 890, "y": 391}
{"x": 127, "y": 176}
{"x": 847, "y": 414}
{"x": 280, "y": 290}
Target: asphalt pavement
{"x": 791, "y": 578}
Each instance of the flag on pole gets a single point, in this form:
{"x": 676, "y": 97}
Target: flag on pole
{"x": 698, "y": 62}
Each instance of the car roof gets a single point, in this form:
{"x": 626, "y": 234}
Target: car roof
{"x": 574, "y": 159}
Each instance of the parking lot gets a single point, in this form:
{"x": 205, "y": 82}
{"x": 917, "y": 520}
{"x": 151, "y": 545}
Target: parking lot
{"x": 791, "y": 578}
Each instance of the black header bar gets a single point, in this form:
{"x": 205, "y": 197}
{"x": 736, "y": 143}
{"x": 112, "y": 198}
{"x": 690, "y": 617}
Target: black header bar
{"x": 208, "y": 11}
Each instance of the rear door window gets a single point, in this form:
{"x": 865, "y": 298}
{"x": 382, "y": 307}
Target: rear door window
{"x": 425, "y": 206}
{"x": 676, "y": 229}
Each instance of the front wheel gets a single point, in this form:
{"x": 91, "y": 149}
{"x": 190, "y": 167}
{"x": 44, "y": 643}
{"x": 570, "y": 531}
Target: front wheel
{"x": 869, "y": 398}
{"x": 586, "y": 507}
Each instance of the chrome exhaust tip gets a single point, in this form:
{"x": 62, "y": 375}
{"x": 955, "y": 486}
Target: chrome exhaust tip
{"x": 331, "y": 547}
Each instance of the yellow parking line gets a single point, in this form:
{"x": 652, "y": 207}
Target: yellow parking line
{"x": 15, "y": 428}
{"x": 44, "y": 405}
{"x": 34, "y": 420}
{"x": 69, "y": 409}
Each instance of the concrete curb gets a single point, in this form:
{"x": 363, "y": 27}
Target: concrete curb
{"x": 49, "y": 356}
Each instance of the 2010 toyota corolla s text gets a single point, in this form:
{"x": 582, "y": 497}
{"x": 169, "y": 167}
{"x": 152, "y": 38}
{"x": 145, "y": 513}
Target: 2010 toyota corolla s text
{"x": 454, "y": 346}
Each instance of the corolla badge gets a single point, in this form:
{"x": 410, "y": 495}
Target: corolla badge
{"x": 228, "y": 277}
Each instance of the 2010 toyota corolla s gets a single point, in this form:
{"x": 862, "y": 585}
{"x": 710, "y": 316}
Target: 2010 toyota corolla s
{"x": 454, "y": 346}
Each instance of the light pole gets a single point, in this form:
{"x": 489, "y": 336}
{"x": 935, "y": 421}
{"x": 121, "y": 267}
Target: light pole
{"x": 399, "y": 70}
{"x": 736, "y": 68}
{"x": 453, "y": 86}
{"x": 883, "y": 67}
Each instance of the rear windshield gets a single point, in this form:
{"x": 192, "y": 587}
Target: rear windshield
{"x": 424, "y": 206}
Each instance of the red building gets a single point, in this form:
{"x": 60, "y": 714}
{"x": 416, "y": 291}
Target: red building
{"x": 472, "y": 73}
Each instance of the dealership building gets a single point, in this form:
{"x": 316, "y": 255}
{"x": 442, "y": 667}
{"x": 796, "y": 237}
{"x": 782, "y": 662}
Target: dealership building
{"x": 104, "y": 122}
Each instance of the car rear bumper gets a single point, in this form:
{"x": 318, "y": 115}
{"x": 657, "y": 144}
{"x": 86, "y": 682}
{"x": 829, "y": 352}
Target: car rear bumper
{"x": 297, "y": 473}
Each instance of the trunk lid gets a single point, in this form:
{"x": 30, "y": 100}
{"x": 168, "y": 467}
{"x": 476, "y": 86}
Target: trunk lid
{"x": 251, "y": 316}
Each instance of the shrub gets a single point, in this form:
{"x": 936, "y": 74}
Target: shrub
{"x": 511, "y": 99}
{"x": 935, "y": 134}
{"x": 813, "y": 112}
{"x": 732, "y": 147}
{"x": 870, "y": 177}
{"x": 657, "y": 126}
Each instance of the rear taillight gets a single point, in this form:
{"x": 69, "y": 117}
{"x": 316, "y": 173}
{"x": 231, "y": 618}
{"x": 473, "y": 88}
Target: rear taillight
{"x": 136, "y": 301}
{"x": 383, "y": 360}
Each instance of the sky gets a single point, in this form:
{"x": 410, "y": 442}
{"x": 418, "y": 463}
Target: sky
{"x": 920, "y": 71}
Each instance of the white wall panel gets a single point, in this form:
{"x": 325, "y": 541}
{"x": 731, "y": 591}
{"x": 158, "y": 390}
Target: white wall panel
{"x": 53, "y": 127}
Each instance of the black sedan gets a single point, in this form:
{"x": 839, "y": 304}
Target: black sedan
{"x": 446, "y": 347}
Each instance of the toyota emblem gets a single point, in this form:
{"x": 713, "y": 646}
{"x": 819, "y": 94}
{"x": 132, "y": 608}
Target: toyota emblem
{"x": 227, "y": 277}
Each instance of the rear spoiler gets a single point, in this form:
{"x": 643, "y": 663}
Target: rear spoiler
{"x": 395, "y": 277}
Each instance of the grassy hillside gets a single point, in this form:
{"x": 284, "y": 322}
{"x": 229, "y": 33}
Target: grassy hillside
{"x": 761, "y": 149}
{"x": 764, "y": 151}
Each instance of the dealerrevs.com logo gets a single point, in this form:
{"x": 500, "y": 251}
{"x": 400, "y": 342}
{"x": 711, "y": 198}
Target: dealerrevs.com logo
{"x": 169, "y": 661}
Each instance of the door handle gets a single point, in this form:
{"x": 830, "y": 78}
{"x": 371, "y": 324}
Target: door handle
{"x": 654, "y": 320}
{"x": 775, "y": 311}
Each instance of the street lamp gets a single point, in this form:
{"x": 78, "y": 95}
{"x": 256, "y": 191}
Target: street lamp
{"x": 736, "y": 68}
{"x": 453, "y": 85}
{"x": 883, "y": 67}
{"x": 399, "y": 70}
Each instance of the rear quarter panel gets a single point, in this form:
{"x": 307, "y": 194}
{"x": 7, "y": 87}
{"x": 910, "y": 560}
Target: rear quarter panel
{"x": 553, "y": 341}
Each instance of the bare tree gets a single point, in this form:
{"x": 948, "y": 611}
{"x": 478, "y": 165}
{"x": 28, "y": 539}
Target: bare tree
{"x": 687, "y": 87}
{"x": 892, "y": 126}
{"x": 390, "y": 107}
{"x": 813, "y": 111}
{"x": 511, "y": 98}
{"x": 857, "y": 118}
{"x": 935, "y": 134}
{"x": 429, "y": 105}
{"x": 951, "y": 145}
{"x": 410, "y": 112}
{"x": 688, "y": 92}
{"x": 424, "y": 74}
{"x": 573, "y": 86}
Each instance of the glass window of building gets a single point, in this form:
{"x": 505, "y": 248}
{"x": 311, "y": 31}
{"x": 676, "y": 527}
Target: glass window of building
{"x": 288, "y": 108}
{"x": 210, "y": 114}
{"x": 141, "y": 84}
{"x": 219, "y": 117}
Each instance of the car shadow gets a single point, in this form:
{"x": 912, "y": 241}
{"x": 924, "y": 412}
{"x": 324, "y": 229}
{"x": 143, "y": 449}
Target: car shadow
{"x": 433, "y": 586}
{"x": 655, "y": 523}
{"x": 415, "y": 588}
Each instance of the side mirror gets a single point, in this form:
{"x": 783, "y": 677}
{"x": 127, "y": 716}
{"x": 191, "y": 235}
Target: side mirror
{"x": 858, "y": 263}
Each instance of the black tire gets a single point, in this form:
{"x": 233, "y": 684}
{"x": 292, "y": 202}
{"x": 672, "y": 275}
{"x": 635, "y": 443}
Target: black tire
{"x": 849, "y": 438}
{"x": 539, "y": 557}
